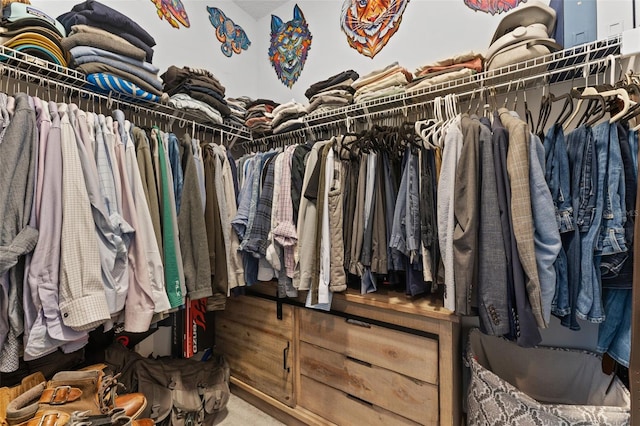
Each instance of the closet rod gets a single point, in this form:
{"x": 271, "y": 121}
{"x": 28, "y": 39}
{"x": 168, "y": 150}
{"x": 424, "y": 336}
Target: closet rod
{"x": 32, "y": 73}
{"x": 526, "y": 83}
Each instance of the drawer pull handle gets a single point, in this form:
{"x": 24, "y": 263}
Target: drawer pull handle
{"x": 358, "y": 323}
{"x": 360, "y": 400}
{"x": 285, "y": 355}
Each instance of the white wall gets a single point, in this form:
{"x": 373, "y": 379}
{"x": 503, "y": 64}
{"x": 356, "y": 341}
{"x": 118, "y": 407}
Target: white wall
{"x": 614, "y": 17}
{"x": 195, "y": 46}
{"x": 430, "y": 30}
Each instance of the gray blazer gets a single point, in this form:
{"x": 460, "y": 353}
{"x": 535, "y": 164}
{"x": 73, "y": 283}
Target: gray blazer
{"x": 467, "y": 213}
{"x": 492, "y": 262}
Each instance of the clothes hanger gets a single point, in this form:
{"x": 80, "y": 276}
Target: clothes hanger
{"x": 429, "y": 134}
{"x": 544, "y": 111}
{"x": 428, "y": 124}
{"x": 527, "y": 112}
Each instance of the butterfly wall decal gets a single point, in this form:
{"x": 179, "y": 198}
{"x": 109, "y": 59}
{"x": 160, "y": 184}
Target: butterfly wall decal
{"x": 233, "y": 38}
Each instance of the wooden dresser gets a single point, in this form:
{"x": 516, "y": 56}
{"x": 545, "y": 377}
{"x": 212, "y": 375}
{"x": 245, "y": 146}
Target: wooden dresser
{"x": 377, "y": 359}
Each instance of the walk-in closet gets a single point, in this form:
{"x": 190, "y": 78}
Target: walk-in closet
{"x": 343, "y": 212}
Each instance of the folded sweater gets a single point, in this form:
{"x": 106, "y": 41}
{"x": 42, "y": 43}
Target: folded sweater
{"x": 110, "y": 43}
{"x": 79, "y": 51}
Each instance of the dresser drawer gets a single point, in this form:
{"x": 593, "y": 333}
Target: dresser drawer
{"x": 414, "y": 356}
{"x": 343, "y": 409}
{"x": 411, "y": 398}
{"x": 258, "y": 347}
{"x": 260, "y": 314}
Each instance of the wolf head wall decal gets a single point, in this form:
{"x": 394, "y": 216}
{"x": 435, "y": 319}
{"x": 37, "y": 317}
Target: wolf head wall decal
{"x": 289, "y": 48}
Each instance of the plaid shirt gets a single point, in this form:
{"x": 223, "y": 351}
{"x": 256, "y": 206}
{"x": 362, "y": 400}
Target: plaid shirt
{"x": 285, "y": 230}
{"x": 258, "y": 240}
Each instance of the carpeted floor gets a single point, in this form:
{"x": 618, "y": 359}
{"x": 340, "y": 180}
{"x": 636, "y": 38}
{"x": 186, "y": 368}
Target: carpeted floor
{"x": 240, "y": 413}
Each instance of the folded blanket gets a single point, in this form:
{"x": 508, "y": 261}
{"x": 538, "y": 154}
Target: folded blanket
{"x": 185, "y": 102}
{"x": 286, "y": 116}
{"x": 289, "y": 125}
{"x": 396, "y": 79}
{"x": 462, "y": 58}
{"x": 376, "y": 75}
{"x": 148, "y": 51}
{"x": 101, "y": 41}
{"x": 255, "y": 121}
{"x": 211, "y": 101}
{"x": 79, "y": 51}
{"x": 141, "y": 73}
{"x": 175, "y": 77}
{"x": 474, "y": 64}
{"x": 340, "y": 93}
{"x": 440, "y": 78}
{"x": 204, "y": 89}
{"x": 261, "y": 101}
{"x": 288, "y": 107}
{"x": 332, "y": 81}
{"x": 98, "y": 12}
{"x": 327, "y": 100}
{"x": 97, "y": 67}
{"x": 382, "y": 93}
{"x": 108, "y": 82}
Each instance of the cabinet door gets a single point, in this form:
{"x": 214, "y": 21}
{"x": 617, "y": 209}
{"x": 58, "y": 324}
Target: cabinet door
{"x": 258, "y": 345}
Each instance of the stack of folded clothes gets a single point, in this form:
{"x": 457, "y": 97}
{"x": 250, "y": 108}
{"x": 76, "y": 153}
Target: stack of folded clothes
{"x": 30, "y": 31}
{"x": 288, "y": 116}
{"x": 197, "y": 90}
{"x": 388, "y": 81}
{"x": 459, "y": 66}
{"x": 259, "y": 116}
{"x": 121, "y": 62}
{"x": 238, "y": 107}
{"x": 332, "y": 93}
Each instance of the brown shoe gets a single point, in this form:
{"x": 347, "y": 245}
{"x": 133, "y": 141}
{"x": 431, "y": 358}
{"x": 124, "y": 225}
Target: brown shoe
{"x": 132, "y": 403}
{"x": 143, "y": 422}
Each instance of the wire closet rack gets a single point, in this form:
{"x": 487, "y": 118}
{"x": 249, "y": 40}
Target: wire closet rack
{"x": 72, "y": 84}
{"x": 579, "y": 62}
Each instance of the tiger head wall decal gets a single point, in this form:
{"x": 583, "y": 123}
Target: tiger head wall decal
{"x": 370, "y": 24}
{"x": 493, "y": 6}
{"x": 289, "y": 48}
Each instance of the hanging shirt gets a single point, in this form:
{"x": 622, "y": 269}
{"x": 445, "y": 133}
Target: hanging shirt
{"x": 171, "y": 257}
{"x": 83, "y": 303}
{"x": 146, "y": 233}
{"x": 446, "y": 218}
{"x": 114, "y": 254}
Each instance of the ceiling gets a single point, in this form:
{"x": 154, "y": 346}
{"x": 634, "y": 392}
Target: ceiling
{"x": 259, "y": 8}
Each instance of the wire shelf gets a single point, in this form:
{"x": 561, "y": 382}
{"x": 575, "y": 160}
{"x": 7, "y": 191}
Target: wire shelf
{"x": 560, "y": 66}
{"x": 72, "y": 83}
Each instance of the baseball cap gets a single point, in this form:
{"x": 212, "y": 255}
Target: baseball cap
{"x": 19, "y": 15}
{"x": 533, "y": 12}
{"x": 35, "y": 44}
